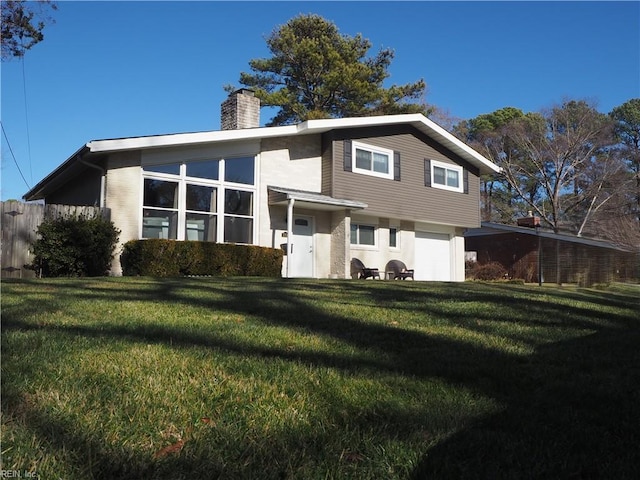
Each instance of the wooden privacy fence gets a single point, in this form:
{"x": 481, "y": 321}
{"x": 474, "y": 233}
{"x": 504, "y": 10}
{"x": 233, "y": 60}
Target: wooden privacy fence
{"x": 19, "y": 224}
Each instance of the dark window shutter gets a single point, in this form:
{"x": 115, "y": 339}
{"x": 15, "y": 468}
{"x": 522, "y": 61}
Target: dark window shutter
{"x": 396, "y": 166}
{"x": 427, "y": 172}
{"x": 465, "y": 180}
{"x": 347, "y": 156}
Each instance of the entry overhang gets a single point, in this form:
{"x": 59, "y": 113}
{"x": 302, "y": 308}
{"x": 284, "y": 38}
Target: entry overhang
{"x": 312, "y": 200}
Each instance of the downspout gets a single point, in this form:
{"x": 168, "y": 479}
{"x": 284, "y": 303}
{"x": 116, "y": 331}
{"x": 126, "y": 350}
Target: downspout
{"x": 289, "y": 232}
{"x": 103, "y": 178}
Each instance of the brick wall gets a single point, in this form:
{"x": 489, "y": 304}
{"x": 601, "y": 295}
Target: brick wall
{"x": 240, "y": 110}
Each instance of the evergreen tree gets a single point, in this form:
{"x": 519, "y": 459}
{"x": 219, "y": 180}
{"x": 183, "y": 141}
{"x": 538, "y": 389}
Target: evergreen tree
{"x": 316, "y": 72}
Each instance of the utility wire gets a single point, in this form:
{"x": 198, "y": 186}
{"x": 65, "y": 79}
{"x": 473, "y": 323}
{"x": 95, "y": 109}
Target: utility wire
{"x": 14, "y": 157}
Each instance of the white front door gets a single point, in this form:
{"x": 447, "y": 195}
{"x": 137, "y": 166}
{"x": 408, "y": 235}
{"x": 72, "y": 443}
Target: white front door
{"x": 301, "y": 256}
{"x": 433, "y": 256}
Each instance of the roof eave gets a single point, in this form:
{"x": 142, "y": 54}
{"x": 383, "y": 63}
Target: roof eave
{"x": 417, "y": 120}
{"x": 38, "y": 191}
{"x": 491, "y": 228}
{"x": 180, "y": 139}
{"x": 465, "y": 151}
{"x": 308, "y": 127}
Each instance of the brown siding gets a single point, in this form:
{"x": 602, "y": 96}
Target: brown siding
{"x": 562, "y": 262}
{"x": 518, "y": 254}
{"x": 408, "y": 198}
{"x": 327, "y": 174}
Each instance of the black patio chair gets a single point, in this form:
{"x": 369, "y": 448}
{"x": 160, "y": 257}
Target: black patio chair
{"x": 397, "y": 270}
{"x": 358, "y": 270}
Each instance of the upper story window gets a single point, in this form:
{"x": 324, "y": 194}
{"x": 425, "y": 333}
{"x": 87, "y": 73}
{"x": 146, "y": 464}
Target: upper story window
{"x": 371, "y": 160}
{"x": 240, "y": 170}
{"x": 209, "y": 169}
{"x": 446, "y": 176}
{"x": 171, "y": 169}
{"x": 211, "y": 200}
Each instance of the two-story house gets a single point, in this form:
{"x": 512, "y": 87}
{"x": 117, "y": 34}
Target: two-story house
{"x": 374, "y": 188}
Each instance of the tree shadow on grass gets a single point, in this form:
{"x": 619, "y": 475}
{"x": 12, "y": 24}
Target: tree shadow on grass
{"x": 570, "y": 411}
{"x": 579, "y": 421}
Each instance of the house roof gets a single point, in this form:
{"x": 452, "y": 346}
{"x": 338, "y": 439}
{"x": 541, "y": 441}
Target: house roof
{"x": 309, "y": 127}
{"x": 490, "y": 228}
{"x": 281, "y": 196}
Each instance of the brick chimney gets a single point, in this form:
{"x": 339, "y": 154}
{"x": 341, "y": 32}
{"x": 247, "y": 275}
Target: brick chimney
{"x": 240, "y": 110}
{"x": 530, "y": 221}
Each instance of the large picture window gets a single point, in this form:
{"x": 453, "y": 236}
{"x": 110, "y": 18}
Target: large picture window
{"x": 446, "y": 176}
{"x": 371, "y": 160}
{"x": 210, "y": 200}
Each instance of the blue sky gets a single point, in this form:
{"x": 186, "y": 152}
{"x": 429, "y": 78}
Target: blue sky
{"x": 122, "y": 69}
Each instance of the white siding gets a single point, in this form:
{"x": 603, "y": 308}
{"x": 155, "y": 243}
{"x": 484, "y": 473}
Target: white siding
{"x": 285, "y": 162}
{"x": 123, "y": 198}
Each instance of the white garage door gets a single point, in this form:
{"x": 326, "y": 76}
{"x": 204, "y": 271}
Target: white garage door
{"x": 433, "y": 256}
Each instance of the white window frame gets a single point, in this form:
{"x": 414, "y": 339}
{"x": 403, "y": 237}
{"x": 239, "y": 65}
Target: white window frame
{"x": 200, "y": 182}
{"x": 364, "y": 245}
{"x": 372, "y": 150}
{"x": 220, "y": 185}
{"x": 164, "y": 177}
{"x": 447, "y": 167}
{"x": 397, "y": 245}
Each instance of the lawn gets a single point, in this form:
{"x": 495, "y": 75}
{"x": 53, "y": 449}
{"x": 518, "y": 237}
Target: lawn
{"x": 139, "y": 378}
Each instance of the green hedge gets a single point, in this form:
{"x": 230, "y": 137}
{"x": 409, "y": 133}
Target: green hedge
{"x": 171, "y": 258}
{"x": 70, "y": 246}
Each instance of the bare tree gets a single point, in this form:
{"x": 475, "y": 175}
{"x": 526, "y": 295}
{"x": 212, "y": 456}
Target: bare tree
{"x": 627, "y": 129}
{"x": 488, "y": 134}
{"x": 602, "y": 182}
{"x": 578, "y": 169}
{"x": 556, "y": 151}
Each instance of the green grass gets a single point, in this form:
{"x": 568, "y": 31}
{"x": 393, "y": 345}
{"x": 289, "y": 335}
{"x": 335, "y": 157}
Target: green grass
{"x": 131, "y": 378}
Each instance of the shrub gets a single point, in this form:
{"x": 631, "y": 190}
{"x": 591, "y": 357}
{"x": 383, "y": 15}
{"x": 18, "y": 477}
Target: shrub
{"x": 487, "y": 271}
{"x": 74, "y": 247}
{"x": 172, "y": 258}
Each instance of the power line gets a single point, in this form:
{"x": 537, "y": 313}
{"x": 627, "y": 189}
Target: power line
{"x": 14, "y": 157}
